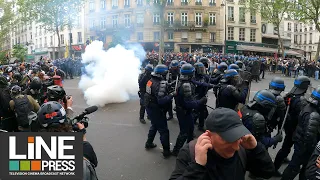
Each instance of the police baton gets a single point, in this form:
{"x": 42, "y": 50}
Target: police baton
{"x": 284, "y": 120}
{"x": 210, "y": 107}
{"x": 176, "y": 86}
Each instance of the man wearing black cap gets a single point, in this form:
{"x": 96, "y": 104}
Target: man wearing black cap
{"x": 225, "y": 151}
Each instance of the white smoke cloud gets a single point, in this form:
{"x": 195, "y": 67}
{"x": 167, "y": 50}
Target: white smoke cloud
{"x": 112, "y": 75}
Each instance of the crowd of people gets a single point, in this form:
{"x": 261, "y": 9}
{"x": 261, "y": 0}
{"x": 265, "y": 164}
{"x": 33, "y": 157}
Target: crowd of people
{"x": 237, "y": 133}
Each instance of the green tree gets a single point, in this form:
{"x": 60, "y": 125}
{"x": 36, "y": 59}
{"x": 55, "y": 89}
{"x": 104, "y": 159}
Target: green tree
{"x": 53, "y": 15}
{"x": 3, "y": 57}
{"x": 308, "y": 11}
{"x": 6, "y": 20}
{"x": 20, "y": 52}
{"x": 271, "y": 11}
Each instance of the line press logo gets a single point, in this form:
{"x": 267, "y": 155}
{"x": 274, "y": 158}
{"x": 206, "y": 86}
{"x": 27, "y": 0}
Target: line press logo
{"x": 34, "y": 155}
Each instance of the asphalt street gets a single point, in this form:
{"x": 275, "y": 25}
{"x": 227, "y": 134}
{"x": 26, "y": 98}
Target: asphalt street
{"x": 118, "y": 137}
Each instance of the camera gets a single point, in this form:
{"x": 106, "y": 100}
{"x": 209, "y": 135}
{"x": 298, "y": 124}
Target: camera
{"x": 82, "y": 118}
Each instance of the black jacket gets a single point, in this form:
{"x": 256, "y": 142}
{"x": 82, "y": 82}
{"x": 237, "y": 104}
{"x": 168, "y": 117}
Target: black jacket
{"x": 258, "y": 162}
{"x": 312, "y": 171}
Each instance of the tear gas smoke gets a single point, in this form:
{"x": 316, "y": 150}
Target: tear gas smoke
{"x": 111, "y": 76}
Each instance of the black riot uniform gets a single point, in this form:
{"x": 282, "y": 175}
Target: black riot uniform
{"x": 229, "y": 96}
{"x": 34, "y": 90}
{"x": 201, "y": 80}
{"x": 173, "y": 75}
{"x": 143, "y": 79}
{"x": 185, "y": 103}
{"x": 276, "y": 86}
{"x": 256, "y": 114}
{"x": 305, "y": 138}
{"x": 312, "y": 171}
{"x": 156, "y": 100}
{"x": 296, "y": 101}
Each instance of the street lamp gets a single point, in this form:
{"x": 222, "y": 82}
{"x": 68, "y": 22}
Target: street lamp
{"x": 224, "y": 4}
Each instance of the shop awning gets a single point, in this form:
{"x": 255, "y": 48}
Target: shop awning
{"x": 41, "y": 52}
{"x": 293, "y": 53}
{"x": 256, "y": 49}
{"x": 30, "y": 57}
{"x": 77, "y": 48}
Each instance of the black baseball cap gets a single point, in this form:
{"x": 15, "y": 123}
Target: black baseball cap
{"x": 226, "y": 122}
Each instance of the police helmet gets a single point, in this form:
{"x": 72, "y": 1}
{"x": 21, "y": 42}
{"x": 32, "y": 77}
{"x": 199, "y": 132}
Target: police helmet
{"x": 51, "y": 113}
{"x": 222, "y": 67}
{"x": 36, "y": 83}
{"x": 187, "y": 70}
{"x": 17, "y": 77}
{"x": 200, "y": 68}
{"x": 15, "y": 90}
{"x": 301, "y": 84}
{"x": 8, "y": 69}
{"x": 55, "y": 93}
{"x": 174, "y": 63}
{"x": 182, "y": 63}
{"x": 149, "y": 68}
{"x": 315, "y": 97}
{"x": 233, "y": 66}
{"x": 265, "y": 102}
{"x": 239, "y": 63}
{"x": 276, "y": 85}
{"x": 160, "y": 70}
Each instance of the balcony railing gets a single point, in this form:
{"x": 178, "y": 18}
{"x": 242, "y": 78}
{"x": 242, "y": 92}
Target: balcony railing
{"x": 305, "y": 42}
{"x": 310, "y": 42}
{"x": 169, "y": 3}
{"x": 113, "y": 27}
{"x": 198, "y": 40}
{"x": 140, "y": 24}
{"x": 253, "y": 21}
{"x": 199, "y": 3}
{"x": 211, "y": 40}
{"x": 184, "y": 3}
{"x": 212, "y": 4}
{"x": 185, "y": 25}
{"x": 139, "y": 4}
{"x": 184, "y": 39}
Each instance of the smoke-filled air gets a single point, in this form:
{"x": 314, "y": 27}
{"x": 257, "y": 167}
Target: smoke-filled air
{"x": 110, "y": 76}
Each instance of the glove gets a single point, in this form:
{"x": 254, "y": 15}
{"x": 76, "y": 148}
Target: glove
{"x": 211, "y": 86}
{"x": 173, "y": 94}
{"x": 139, "y": 94}
{"x": 246, "y": 83}
{"x": 203, "y": 100}
{"x": 278, "y": 137}
{"x": 232, "y": 88}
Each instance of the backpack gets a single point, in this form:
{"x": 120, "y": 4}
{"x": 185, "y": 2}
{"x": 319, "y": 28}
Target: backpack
{"x": 22, "y": 108}
{"x": 89, "y": 173}
{"x": 5, "y": 99}
{"x": 241, "y": 152}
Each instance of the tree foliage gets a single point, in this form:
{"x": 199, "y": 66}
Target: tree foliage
{"x": 20, "y": 52}
{"x": 308, "y": 11}
{"x": 271, "y": 11}
{"x": 6, "y": 20}
{"x": 3, "y": 57}
{"x": 53, "y": 15}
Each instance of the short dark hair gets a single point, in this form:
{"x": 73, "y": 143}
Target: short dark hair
{"x": 65, "y": 127}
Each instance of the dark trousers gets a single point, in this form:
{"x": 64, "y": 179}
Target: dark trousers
{"x": 203, "y": 113}
{"x": 70, "y": 72}
{"x": 300, "y": 157}
{"x": 10, "y": 124}
{"x": 186, "y": 125}
{"x": 262, "y": 72}
{"x": 169, "y": 110}
{"x": 142, "y": 107}
{"x": 158, "y": 124}
{"x": 284, "y": 151}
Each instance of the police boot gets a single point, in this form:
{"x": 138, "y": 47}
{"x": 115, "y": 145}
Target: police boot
{"x": 150, "y": 146}
{"x": 166, "y": 153}
{"x": 277, "y": 173}
{"x": 142, "y": 121}
{"x": 170, "y": 117}
{"x": 180, "y": 142}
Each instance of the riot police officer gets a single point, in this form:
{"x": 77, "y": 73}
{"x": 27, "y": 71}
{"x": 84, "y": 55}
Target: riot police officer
{"x": 229, "y": 96}
{"x": 173, "y": 75}
{"x": 201, "y": 80}
{"x": 305, "y": 138}
{"x": 234, "y": 66}
{"x": 156, "y": 99}
{"x": 240, "y": 65}
{"x": 143, "y": 79}
{"x": 256, "y": 114}
{"x": 185, "y": 102}
{"x": 295, "y": 100}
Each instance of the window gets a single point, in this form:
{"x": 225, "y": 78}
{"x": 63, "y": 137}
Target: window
{"x": 103, "y": 23}
{"x": 184, "y": 2}
{"x": 127, "y": 20}
{"x": 92, "y": 24}
{"x": 36, "y": 42}
{"x": 295, "y": 39}
{"x": 156, "y": 18}
{"x": 170, "y": 2}
{"x": 51, "y": 40}
{"x": 31, "y": 35}
{"x": 198, "y": 19}
{"x": 252, "y": 35}
{"x": 115, "y": 21}
{"x": 310, "y": 39}
{"x": 310, "y": 28}
{"x": 212, "y": 36}
{"x": 198, "y": 35}
{"x": 289, "y": 26}
{"x": 79, "y": 37}
{"x": 91, "y": 6}
{"x": 184, "y": 19}
{"x": 242, "y": 15}
{"x": 300, "y": 39}
{"x": 62, "y": 38}
{"x": 103, "y": 4}
{"x": 139, "y": 2}
{"x": 140, "y": 19}
{"x": 156, "y": 1}
{"x": 114, "y": 3}
{"x": 242, "y": 34}
{"x": 184, "y": 36}
{"x": 212, "y": 2}
{"x": 170, "y": 35}
{"x": 253, "y": 17}
{"x": 289, "y": 34}
{"x": 170, "y": 17}
{"x": 300, "y": 27}
{"x": 212, "y": 19}
{"x": 126, "y": 3}
{"x": 230, "y": 13}
{"x": 198, "y": 2}
{"x": 156, "y": 36}
{"x": 45, "y": 41}
{"x": 305, "y": 39}
{"x": 140, "y": 36}
{"x": 78, "y": 22}
{"x": 40, "y": 42}
{"x": 230, "y": 33}
{"x": 295, "y": 27}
